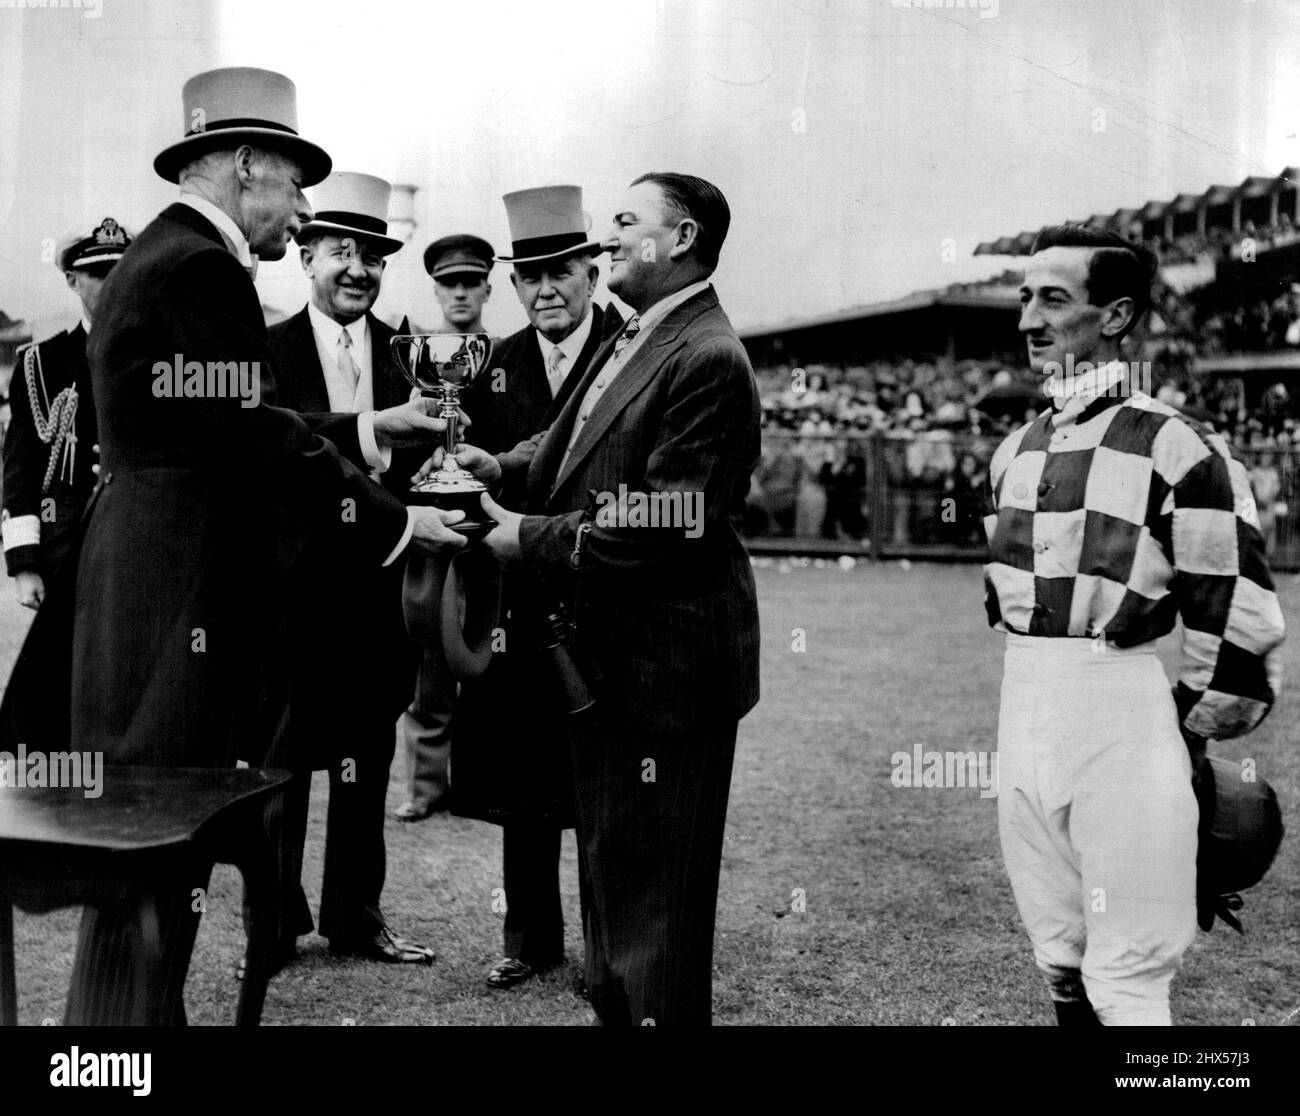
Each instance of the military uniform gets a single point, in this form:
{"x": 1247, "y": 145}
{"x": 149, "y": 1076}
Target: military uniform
{"x": 50, "y": 447}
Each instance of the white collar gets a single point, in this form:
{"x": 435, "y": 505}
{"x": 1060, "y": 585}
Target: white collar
{"x": 328, "y": 329}
{"x": 1097, "y": 380}
{"x": 85, "y": 324}
{"x": 225, "y": 225}
{"x": 669, "y": 303}
{"x": 1072, "y": 395}
{"x": 570, "y": 346}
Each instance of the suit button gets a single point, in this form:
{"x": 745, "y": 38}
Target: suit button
{"x": 600, "y": 383}
{"x": 583, "y": 415}
{"x": 95, "y": 448}
{"x": 95, "y": 469}
{"x": 108, "y": 478}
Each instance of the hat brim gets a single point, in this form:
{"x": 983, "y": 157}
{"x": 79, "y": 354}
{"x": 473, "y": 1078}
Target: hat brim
{"x": 93, "y": 260}
{"x": 314, "y": 161}
{"x": 591, "y": 248}
{"x": 467, "y": 270}
{"x": 387, "y": 245}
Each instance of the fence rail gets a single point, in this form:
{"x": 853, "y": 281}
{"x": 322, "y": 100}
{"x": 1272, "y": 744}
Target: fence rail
{"x": 898, "y": 496}
{"x": 922, "y": 496}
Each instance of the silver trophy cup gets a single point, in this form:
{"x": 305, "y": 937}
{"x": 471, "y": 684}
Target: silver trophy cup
{"x": 440, "y": 365}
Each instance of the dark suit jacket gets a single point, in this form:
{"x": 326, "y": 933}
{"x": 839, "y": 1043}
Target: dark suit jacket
{"x": 202, "y": 507}
{"x": 510, "y": 757}
{"x": 352, "y": 665}
{"x": 668, "y": 625}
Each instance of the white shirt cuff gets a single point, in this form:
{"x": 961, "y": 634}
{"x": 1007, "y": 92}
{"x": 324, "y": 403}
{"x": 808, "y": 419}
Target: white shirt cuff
{"x": 378, "y": 459}
{"x": 21, "y": 530}
{"x": 406, "y": 538}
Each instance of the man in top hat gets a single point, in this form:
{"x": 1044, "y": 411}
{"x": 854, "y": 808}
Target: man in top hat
{"x": 51, "y": 444}
{"x": 459, "y": 266}
{"x": 206, "y": 499}
{"x": 510, "y": 758}
{"x": 666, "y": 621}
{"x": 353, "y": 666}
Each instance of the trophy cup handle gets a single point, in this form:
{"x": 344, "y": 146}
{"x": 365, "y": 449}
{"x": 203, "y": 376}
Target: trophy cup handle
{"x": 405, "y": 348}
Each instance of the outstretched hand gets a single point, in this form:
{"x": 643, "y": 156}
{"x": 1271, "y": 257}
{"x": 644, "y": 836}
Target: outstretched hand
{"x": 482, "y": 465}
{"x": 503, "y": 539}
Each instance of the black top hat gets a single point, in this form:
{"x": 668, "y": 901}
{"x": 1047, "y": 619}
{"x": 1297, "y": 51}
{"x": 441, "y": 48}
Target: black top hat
{"x": 228, "y": 107}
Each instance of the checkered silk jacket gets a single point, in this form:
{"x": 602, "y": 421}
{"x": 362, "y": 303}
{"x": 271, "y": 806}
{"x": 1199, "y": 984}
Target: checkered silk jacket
{"x": 1116, "y": 520}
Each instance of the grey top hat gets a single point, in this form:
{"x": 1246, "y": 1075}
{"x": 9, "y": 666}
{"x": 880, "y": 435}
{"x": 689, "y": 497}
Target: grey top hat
{"x": 351, "y": 204}
{"x": 547, "y": 222}
{"x": 239, "y": 104}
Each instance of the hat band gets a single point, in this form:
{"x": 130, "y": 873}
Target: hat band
{"x": 353, "y": 220}
{"x": 548, "y": 245}
{"x": 241, "y": 122}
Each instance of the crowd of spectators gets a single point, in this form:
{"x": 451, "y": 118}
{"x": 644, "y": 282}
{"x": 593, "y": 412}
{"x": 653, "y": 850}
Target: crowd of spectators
{"x": 906, "y": 443}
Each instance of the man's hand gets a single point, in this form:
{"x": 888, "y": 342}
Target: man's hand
{"x": 503, "y": 539}
{"x": 482, "y": 465}
{"x": 432, "y": 531}
{"x": 412, "y": 424}
{"x": 29, "y": 587}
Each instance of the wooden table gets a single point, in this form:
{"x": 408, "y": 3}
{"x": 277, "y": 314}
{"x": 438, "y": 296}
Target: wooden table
{"x": 59, "y": 848}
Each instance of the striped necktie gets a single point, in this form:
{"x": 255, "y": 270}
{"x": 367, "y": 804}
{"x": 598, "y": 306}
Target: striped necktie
{"x": 630, "y": 330}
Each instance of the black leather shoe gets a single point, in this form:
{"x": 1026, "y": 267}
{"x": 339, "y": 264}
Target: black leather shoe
{"x": 383, "y": 945}
{"x": 284, "y": 953}
{"x": 508, "y": 972}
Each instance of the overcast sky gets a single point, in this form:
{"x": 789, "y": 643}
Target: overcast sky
{"x": 851, "y": 137}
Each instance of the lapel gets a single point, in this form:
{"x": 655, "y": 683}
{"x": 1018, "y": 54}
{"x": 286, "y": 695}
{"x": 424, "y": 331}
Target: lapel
{"x": 603, "y": 324}
{"x": 388, "y": 385}
{"x": 301, "y": 378}
{"x": 631, "y": 380}
{"x": 535, "y": 384}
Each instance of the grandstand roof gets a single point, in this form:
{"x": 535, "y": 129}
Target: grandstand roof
{"x": 993, "y": 294}
{"x": 1154, "y": 218}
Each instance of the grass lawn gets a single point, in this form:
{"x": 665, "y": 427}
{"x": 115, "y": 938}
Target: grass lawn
{"x": 907, "y": 916}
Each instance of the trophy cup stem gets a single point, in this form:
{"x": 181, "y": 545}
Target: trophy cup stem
{"x": 450, "y": 414}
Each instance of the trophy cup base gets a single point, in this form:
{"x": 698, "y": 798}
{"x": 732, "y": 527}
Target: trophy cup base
{"x": 454, "y": 493}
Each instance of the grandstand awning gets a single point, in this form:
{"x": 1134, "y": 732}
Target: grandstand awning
{"x": 1222, "y": 200}
{"x": 1002, "y": 298}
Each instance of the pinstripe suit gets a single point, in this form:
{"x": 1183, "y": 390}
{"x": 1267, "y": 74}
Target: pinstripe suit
{"x": 666, "y": 626}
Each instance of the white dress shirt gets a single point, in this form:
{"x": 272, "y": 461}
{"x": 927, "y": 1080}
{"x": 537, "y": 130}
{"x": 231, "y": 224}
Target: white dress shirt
{"x": 647, "y": 321}
{"x": 570, "y": 349}
{"x": 238, "y": 242}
